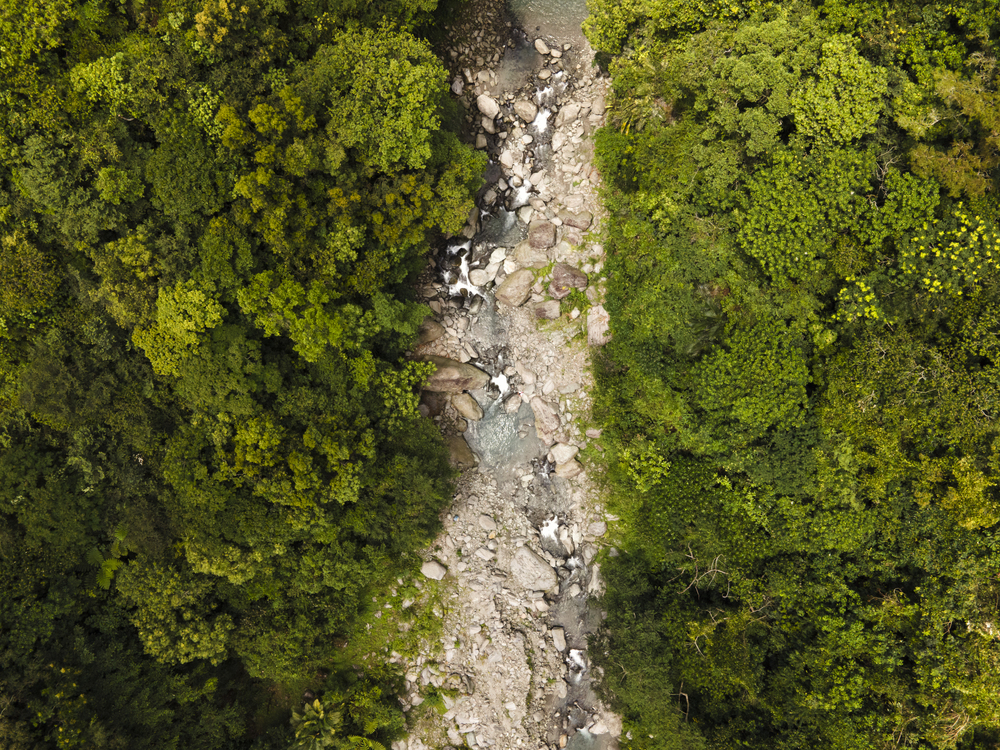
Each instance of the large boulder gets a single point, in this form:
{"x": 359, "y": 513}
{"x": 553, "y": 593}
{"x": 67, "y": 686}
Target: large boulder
{"x": 563, "y": 453}
{"x": 430, "y": 330}
{"x": 566, "y": 278}
{"x": 527, "y": 256}
{"x": 531, "y": 571}
{"x": 526, "y": 110}
{"x": 541, "y": 234}
{"x": 598, "y": 326}
{"x": 581, "y": 220}
{"x": 488, "y": 106}
{"x": 433, "y": 570}
{"x": 567, "y": 115}
{"x": 467, "y": 406}
{"x": 453, "y": 376}
{"x": 515, "y": 288}
{"x": 569, "y": 469}
{"x": 547, "y": 420}
{"x": 460, "y": 454}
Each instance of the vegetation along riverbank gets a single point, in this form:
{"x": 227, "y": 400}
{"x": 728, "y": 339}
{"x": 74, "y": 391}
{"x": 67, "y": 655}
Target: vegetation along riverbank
{"x": 800, "y": 397}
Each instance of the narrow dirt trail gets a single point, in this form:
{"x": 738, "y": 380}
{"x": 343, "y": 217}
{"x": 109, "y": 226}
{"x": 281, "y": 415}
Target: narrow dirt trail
{"x": 517, "y": 308}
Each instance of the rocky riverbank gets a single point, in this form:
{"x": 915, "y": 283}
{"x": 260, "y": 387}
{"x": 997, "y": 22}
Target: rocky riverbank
{"x": 517, "y": 307}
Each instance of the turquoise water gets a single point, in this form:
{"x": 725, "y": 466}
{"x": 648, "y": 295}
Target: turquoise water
{"x": 555, "y": 18}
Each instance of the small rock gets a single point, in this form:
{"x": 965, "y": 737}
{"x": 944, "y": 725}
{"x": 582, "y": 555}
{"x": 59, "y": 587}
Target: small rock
{"x": 484, "y": 554}
{"x": 548, "y": 310}
{"x": 526, "y": 110}
{"x": 563, "y": 453}
{"x": 565, "y": 278}
{"x": 480, "y": 141}
{"x": 479, "y": 277}
{"x": 515, "y": 288}
{"x": 545, "y": 74}
{"x": 488, "y": 106}
{"x": 598, "y": 326}
{"x": 541, "y": 234}
{"x": 594, "y": 433}
{"x": 555, "y": 53}
{"x": 569, "y": 470}
{"x": 558, "y": 638}
{"x": 597, "y": 528}
{"x": 531, "y": 571}
{"x": 598, "y": 106}
{"x": 466, "y": 406}
{"x": 486, "y": 523}
{"x": 512, "y": 404}
{"x": 457, "y": 86}
{"x": 433, "y": 569}
{"x": 541, "y": 46}
{"x": 488, "y": 125}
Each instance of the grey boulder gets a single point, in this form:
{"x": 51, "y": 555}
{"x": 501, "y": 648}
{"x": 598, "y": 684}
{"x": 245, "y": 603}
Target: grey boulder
{"x": 598, "y": 326}
{"x": 580, "y": 220}
{"x": 531, "y": 571}
{"x": 434, "y": 570}
{"x": 515, "y": 288}
{"x": 527, "y": 256}
{"x": 526, "y": 110}
{"x": 488, "y": 106}
{"x": 547, "y": 420}
{"x": 569, "y": 469}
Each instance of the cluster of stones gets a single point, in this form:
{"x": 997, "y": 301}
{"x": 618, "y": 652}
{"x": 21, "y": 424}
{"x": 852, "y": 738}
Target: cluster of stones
{"x": 498, "y": 648}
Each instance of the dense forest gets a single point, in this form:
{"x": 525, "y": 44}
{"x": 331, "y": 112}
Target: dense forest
{"x": 211, "y": 213}
{"x": 800, "y": 401}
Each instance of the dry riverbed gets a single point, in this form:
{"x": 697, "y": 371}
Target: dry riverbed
{"x": 517, "y": 309}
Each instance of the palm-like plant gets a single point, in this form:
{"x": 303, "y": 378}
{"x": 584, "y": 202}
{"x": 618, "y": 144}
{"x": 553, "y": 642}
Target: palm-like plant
{"x": 317, "y": 726}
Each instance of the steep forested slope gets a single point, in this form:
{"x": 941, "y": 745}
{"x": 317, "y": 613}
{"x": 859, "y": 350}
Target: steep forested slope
{"x": 209, "y": 443}
{"x": 801, "y": 397}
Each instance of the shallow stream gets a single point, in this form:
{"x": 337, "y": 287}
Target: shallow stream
{"x": 557, "y": 18}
